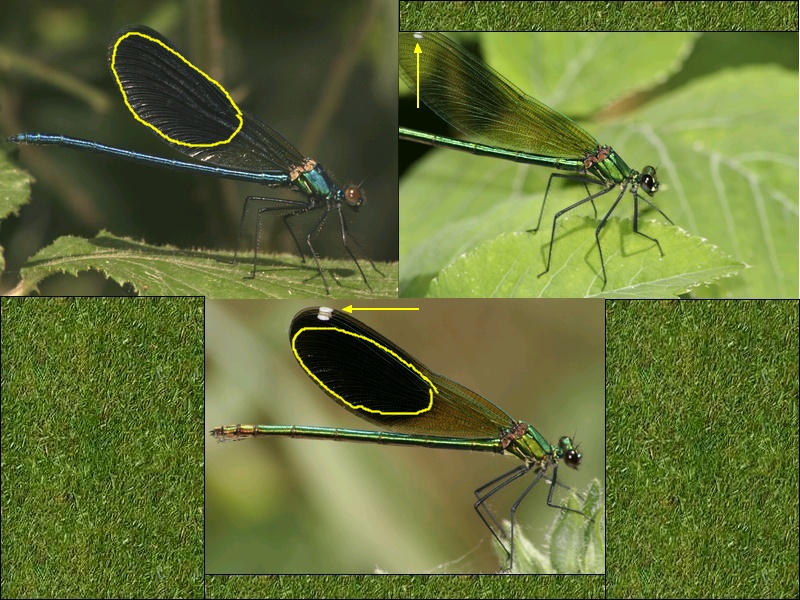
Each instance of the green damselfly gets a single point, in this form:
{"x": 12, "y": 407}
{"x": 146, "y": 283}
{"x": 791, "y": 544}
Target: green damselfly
{"x": 502, "y": 121}
{"x": 373, "y": 378}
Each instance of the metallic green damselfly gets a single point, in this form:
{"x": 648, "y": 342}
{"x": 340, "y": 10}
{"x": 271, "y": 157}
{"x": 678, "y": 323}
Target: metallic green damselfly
{"x": 502, "y": 121}
{"x": 373, "y": 378}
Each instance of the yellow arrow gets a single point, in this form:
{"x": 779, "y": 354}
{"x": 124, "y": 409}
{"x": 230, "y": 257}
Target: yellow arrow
{"x": 350, "y": 309}
{"x": 417, "y": 51}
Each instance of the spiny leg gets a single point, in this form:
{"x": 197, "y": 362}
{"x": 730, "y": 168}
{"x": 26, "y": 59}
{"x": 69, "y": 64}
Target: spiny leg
{"x": 285, "y": 205}
{"x": 584, "y": 180}
{"x": 345, "y": 234}
{"x": 566, "y": 210}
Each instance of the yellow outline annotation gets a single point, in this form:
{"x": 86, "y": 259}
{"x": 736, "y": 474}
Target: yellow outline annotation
{"x": 179, "y": 55}
{"x": 432, "y": 390}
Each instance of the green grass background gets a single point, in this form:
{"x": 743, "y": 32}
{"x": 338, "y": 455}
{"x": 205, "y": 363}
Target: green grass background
{"x": 598, "y": 16}
{"x": 102, "y": 464}
{"x": 405, "y": 586}
{"x": 702, "y": 401}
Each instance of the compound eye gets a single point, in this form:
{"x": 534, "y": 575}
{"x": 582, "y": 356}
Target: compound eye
{"x": 572, "y": 458}
{"x": 648, "y": 180}
{"x": 354, "y": 196}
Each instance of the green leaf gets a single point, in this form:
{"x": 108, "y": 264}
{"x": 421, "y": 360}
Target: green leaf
{"x": 731, "y": 172}
{"x": 15, "y": 187}
{"x": 168, "y": 271}
{"x": 15, "y": 192}
{"x": 561, "y": 70}
{"x": 576, "y": 543}
{"x": 510, "y": 264}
